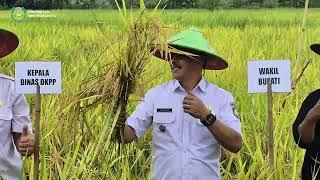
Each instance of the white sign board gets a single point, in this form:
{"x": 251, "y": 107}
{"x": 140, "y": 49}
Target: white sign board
{"x": 30, "y": 74}
{"x": 276, "y": 72}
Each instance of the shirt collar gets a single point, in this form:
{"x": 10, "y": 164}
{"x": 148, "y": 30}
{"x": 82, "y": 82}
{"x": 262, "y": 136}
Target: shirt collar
{"x": 202, "y": 85}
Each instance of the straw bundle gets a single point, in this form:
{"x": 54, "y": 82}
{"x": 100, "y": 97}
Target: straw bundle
{"x": 129, "y": 54}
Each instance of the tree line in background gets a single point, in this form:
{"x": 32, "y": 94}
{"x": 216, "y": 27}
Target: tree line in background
{"x": 168, "y": 4}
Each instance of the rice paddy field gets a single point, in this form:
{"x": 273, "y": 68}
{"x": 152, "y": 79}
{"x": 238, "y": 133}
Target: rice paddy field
{"x": 80, "y": 147}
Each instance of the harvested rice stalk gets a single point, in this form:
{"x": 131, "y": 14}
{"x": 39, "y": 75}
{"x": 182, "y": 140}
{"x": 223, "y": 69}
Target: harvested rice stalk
{"x": 127, "y": 57}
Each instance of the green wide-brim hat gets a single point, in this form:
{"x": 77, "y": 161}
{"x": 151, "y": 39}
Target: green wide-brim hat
{"x": 8, "y": 42}
{"x": 315, "y": 48}
{"x": 191, "y": 42}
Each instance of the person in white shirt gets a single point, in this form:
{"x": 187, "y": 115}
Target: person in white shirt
{"x": 16, "y": 137}
{"x": 190, "y": 117}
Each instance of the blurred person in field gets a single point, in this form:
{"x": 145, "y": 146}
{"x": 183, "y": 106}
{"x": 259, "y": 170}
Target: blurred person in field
{"x": 16, "y": 136}
{"x": 306, "y": 131}
{"x": 190, "y": 117}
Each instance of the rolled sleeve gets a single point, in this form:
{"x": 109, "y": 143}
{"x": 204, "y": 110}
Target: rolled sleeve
{"x": 141, "y": 119}
{"x": 21, "y": 114}
{"x": 229, "y": 115}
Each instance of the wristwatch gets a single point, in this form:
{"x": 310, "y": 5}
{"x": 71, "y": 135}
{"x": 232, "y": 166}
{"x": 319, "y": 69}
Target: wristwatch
{"x": 209, "y": 120}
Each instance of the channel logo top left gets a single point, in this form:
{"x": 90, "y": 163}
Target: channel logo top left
{"x": 18, "y": 14}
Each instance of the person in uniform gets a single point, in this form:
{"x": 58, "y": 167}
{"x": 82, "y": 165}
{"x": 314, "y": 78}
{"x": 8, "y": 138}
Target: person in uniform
{"x": 306, "y": 131}
{"x": 16, "y": 136}
{"x": 190, "y": 117}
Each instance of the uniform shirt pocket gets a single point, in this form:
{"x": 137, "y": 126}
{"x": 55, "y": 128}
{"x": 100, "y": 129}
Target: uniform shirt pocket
{"x": 202, "y": 135}
{"x": 164, "y": 126}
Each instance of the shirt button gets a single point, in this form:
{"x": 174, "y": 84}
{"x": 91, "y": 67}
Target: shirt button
{"x": 162, "y": 128}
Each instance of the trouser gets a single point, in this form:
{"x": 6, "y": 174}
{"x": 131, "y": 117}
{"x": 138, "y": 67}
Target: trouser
{"x": 311, "y": 168}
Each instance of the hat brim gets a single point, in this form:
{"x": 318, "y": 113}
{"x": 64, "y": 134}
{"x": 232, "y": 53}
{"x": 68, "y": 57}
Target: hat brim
{"x": 8, "y": 42}
{"x": 315, "y": 48}
{"x": 213, "y": 62}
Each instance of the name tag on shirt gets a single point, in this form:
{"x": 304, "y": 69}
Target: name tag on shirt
{"x": 164, "y": 109}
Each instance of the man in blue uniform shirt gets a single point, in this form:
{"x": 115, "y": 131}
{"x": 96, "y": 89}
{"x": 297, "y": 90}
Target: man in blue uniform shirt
{"x": 15, "y": 126}
{"x": 190, "y": 117}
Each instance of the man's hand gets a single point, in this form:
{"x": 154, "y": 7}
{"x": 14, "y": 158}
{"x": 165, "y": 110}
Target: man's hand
{"x": 307, "y": 127}
{"x": 195, "y": 107}
{"x": 314, "y": 113}
{"x": 25, "y": 143}
{"x": 129, "y": 134}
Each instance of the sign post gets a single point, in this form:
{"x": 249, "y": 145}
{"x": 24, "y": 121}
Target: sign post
{"x": 270, "y": 125}
{"x": 269, "y": 77}
{"x": 37, "y": 134}
{"x": 38, "y": 78}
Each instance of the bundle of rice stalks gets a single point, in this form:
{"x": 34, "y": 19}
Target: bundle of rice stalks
{"x": 128, "y": 54}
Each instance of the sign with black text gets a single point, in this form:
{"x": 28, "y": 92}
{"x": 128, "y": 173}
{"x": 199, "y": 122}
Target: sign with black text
{"x": 275, "y": 72}
{"x": 45, "y": 74}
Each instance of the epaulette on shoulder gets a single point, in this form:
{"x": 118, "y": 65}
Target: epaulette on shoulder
{"x": 6, "y": 77}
